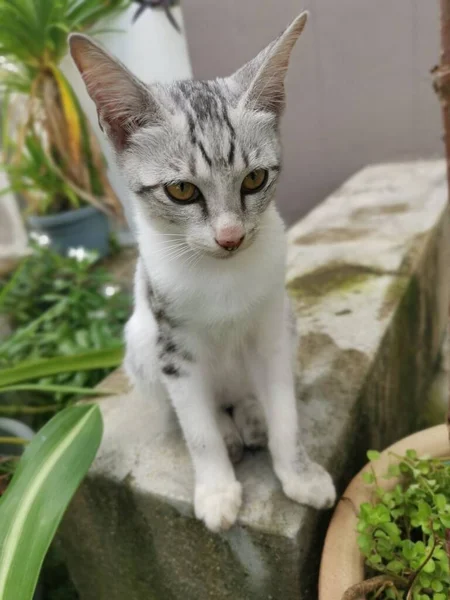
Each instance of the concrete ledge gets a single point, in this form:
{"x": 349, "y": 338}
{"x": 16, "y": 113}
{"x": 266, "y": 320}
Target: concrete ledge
{"x": 368, "y": 274}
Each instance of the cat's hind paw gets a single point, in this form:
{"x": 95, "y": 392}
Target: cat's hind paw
{"x": 218, "y": 506}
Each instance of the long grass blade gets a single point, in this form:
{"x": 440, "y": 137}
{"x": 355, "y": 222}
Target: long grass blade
{"x": 28, "y": 370}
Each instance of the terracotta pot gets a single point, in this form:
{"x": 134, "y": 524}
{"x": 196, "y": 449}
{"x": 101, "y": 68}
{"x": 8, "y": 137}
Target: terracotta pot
{"x": 342, "y": 564}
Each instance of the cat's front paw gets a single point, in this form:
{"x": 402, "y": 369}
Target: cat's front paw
{"x": 218, "y": 505}
{"x": 313, "y": 486}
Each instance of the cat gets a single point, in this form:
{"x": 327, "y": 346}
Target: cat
{"x": 212, "y": 330}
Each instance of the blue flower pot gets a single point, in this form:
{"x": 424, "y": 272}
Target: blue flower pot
{"x": 86, "y": 227}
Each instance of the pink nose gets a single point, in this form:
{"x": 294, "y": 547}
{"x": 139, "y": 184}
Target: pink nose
{"x": 230, "y": 237}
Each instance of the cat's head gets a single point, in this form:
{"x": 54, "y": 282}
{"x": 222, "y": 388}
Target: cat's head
{"x": 202, "y": 158}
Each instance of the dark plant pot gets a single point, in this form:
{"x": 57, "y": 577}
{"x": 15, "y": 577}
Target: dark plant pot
{"x": 13, "y": 428}
{"x": 86, "y": 227}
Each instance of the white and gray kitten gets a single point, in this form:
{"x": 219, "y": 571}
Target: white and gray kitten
{"x": 211, "y": 331}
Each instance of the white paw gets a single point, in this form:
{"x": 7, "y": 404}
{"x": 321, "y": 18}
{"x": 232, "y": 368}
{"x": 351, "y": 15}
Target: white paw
{"x": 251, "y": 423}
{"x": 218, "y": 506}
{"x": 313, "y": 487}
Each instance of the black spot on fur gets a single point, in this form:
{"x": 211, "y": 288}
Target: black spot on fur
{"x": 170, "y": 347}
{"x": 204, "y": 154}
{"x": 171, "y": 370}
{"x": 245, "y": 158}
{"x": 204, "y": 207}
{"x": 226, "y": 118}
{"x": 231, "y": 153}
{"x": 191, "y": 125}
{"x": 192, "y": 167}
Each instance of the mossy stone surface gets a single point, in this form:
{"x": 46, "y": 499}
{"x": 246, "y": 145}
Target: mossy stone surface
{"x": 368, "y": 276}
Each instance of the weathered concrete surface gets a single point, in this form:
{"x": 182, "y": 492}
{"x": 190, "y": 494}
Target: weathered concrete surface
{"x": 368, "y": 275}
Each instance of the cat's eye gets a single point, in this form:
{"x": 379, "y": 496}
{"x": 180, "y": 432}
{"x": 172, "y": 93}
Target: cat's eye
{"x": 254, "y": 181}
{"x": 182, "y": 191}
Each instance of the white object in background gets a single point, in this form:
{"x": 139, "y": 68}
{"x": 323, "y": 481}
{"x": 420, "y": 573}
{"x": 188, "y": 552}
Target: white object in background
{"x": 152, "y": 49}
{"x": 13, "y": 237}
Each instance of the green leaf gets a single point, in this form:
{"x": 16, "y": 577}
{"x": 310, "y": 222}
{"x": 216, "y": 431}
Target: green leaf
{"x": 430, "y": 566}
{"x": 441, "y": 501}
{"x": 408, "y": 549}
{"x": 47, "y": 476}
{"x": 368, "y": 478}
{"x": 96, "y": 359}
{"x": 411, "y": 454}
{"x": 373, "y": 455}
{"x": 425, "y": 580}
{"x": 365, "y": 543}
{"x": 437, "y": 585}
{"x": 395, "y": 566}
{"x": 57, "y": 389}
{"x": 439, "y": 597}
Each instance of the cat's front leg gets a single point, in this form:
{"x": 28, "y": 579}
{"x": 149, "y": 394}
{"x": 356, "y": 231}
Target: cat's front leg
{"x": 302, "y": 479}
{"x": 218, "y": 495}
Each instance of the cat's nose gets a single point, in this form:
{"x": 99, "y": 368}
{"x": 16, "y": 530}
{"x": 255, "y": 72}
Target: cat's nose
{"x": 230, "y": 237}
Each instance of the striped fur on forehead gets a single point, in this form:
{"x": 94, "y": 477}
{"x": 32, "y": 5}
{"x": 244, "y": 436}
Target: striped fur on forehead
{"x": 206, "y": 105}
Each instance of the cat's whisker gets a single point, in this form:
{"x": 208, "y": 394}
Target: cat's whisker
{"x": 169, "y": 256}
{"x": 178, "y": 255}
{"x": 168, "y": 251}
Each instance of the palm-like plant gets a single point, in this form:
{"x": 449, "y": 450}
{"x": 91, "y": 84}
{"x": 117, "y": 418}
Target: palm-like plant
{"x": 50, "y": 153}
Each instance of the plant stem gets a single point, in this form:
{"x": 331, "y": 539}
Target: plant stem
{"x": 14, "y": 441}
{"x": 360, "y": 590}
{"x": 29, "y": 410}
{"x": 420, "y": 569}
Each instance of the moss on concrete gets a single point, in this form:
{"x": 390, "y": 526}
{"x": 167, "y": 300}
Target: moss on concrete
{"x": 331, "y": 278}
{"x": 393, "y": 296}
{"x": 381, "y": 209}
{"x": 332, "y": 235}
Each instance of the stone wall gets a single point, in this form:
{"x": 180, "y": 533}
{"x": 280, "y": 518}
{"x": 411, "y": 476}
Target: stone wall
{"x": 367, "y": 272}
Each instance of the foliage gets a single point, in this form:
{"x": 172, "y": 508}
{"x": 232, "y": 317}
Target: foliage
{"x": 50, "y": 153}
{"x": 46, "y": 478}
{"x": 68, "y": 319}
{"x": 404, "y": 532}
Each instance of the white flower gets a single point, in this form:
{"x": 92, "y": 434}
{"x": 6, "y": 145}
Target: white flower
{"x": 110, "y": 290}
{"x": 41, "y": 239}
{"x": 81, "y": 254}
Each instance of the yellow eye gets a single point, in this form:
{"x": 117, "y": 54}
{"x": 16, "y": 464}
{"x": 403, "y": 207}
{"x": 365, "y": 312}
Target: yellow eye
{"x": 254, "y": 181}
{"x": 182, "y": 191}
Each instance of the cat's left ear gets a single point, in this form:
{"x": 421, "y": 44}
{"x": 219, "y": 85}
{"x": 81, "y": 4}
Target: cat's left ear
{"x": 262, "y": 79}
{"x": 124, "y": 104}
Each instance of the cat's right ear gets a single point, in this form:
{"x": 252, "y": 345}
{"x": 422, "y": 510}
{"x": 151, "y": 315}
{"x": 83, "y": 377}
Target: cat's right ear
{"x": 123, "y": 102}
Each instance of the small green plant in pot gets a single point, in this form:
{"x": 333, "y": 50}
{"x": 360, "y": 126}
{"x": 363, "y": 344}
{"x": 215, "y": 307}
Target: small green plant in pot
{"x": 404, "y": 532}
{"x": 53, "y": 160}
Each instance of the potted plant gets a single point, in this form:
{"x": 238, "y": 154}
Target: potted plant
{"x": 50, "y": 154}
{"x": 389, "y": 536}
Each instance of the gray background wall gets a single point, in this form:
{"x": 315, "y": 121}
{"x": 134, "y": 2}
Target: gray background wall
{"x": 359, "y": 89}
